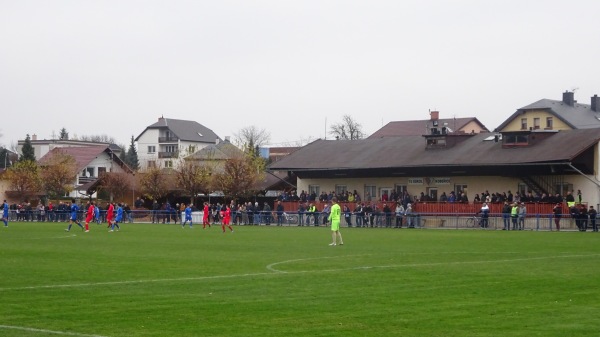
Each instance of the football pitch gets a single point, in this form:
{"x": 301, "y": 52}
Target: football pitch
{"x": 162, "y": 280}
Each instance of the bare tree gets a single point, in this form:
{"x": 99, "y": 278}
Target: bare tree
{"x": 240, "y": 176}
{"x": 153, "y": 183}
{"x": 116, "y": 184}
{"x": 24, "y": 178}
{"x": 251, "y": 138}
{"x": 193, "y": 178}
{"x": 58, "y": 174}
{"x": 348, "y": 129}
{"x": 98, "y": 139}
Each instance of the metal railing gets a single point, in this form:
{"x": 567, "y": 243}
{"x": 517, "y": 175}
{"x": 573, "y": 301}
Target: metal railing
{"x": 170, "y": 139}
{"x": 168, "y": 154}
{"x": 495, "y": 221}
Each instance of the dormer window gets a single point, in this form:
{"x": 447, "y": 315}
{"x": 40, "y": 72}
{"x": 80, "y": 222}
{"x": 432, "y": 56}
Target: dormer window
{"x": 515, "y": 139}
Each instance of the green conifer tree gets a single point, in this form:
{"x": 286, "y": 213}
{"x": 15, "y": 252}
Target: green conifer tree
{"x": 27, "y": 152}
{"x": 132, "y": 156}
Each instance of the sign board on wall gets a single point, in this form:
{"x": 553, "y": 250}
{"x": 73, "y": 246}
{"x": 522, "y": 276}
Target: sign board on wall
{"x": 429, "y": 181}
{"x": 415, "y": 181}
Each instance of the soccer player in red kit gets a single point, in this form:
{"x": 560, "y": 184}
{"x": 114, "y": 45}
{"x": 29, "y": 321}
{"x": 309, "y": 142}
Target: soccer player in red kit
{"x": 89, "y": 215}
{"x": 226, "y": 219}
{"x": 110, "y": 214}
{"x": 205, "y": 216}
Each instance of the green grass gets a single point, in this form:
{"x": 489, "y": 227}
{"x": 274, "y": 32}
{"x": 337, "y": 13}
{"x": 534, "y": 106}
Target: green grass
{"x": 161, "y": 280}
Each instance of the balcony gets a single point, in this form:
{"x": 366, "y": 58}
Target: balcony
{"x": 169, "y": 139}
{"x": 168, "y": 154}
{"x": 85, "y": 180}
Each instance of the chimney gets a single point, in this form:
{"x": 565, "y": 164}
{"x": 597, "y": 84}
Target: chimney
{"x": 569, "y": 98}
{"x": 227, "y": 139}
{"x": 34, "y": 137}
{"x": 595, "y": 103}
{"x": 435, "y": 115}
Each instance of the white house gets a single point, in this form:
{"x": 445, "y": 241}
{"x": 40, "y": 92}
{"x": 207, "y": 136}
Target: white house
{"x": 165, "y": 142}
{"x": 91, "y": 162}
{"x": 42, "y": 146}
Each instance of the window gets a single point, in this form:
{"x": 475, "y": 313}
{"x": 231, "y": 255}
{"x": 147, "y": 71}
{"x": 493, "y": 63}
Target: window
{"x": 151, "y": 149}
{"x": 522, "y": 189}
{"x": 432, "y": 193}
{"x": 314, "y": 189}
{"x": 441, "y": 141}
{"x": 171, "y": 148}
{"x": 563, "y": 188}
{"x": 515, "y": 139}
{"x": 88, "y": 172}
{"x": 549, "y": 123}
{"x": 151, "y": 164}
{"x": 339, "y": 189}
{"x": 536, "y": 123}
{"x": 400, "y": 189}
{"x": 523, "y": 123}
{"x": 101, "y": 171}
{"x": 385, "y": 190}
{"x": 370, "y": 192}
{"x": 460, "y": 188}
{"x": 169, "y": 163}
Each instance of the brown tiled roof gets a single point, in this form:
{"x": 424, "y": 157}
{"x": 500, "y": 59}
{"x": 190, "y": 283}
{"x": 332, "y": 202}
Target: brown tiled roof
{"x": 410, "y": 151}
{"x": 83, "y": 155}
{"x": 420, "y": 127}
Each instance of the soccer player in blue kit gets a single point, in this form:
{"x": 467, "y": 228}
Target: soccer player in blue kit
{"x": 73, "y": 218}
{"x": 188, "y": 216}
{"x": 118, "y": 219}
{"x": 5, "y": 213}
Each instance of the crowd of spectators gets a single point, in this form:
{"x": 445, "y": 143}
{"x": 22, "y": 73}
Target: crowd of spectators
{"x": 54, "y": 212}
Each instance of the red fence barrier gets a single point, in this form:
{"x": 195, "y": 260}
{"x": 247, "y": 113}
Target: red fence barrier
{"x": 440, "y": 208}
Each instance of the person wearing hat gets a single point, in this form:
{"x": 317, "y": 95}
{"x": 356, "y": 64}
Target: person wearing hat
{"x": 557, "y": 212}
{"x": 267, "y": 213}
{"x": 409, "y": 216}
{"x": 514, "y": 215}
{"x": 485, "y": 215}
{"x": 522, "y": 215}
{"x": 593, "y": 214}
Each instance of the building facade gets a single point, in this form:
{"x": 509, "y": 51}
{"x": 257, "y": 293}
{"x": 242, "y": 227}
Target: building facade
{"x": 165, "y": 143}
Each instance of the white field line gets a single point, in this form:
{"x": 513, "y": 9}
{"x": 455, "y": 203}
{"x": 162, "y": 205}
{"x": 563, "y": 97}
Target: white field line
{"x": 270, "y": 267}
{"x": 44, "y": 331}
{"x": 56, "y": 237}
{"x": 274, "y": 271}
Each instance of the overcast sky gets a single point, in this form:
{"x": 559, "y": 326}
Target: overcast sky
{"x": 290, "y": 67}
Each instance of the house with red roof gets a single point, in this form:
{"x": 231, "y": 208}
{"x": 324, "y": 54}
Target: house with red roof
{"x": 91, "y": 162}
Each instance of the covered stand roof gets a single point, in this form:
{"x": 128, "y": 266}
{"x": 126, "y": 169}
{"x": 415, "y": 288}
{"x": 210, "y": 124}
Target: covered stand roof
{"x": 408, "y": 155}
